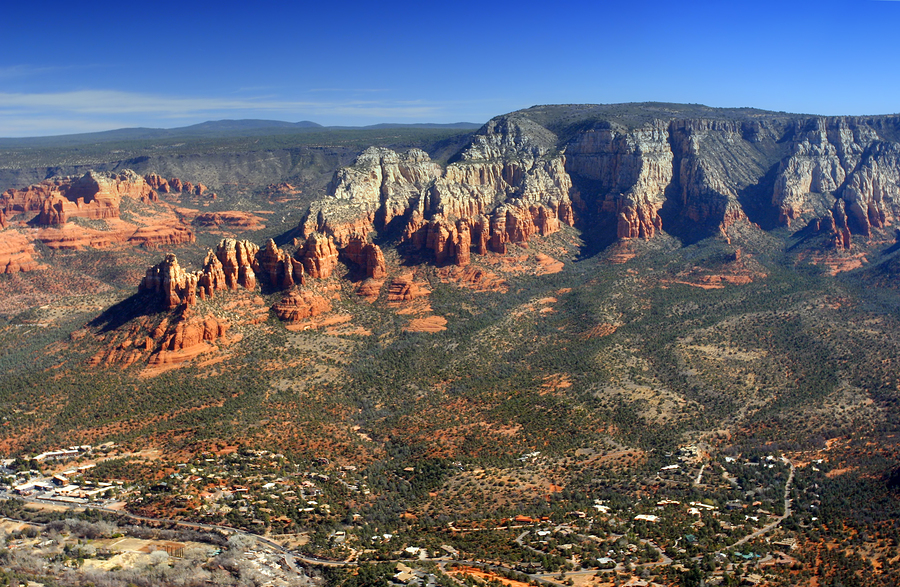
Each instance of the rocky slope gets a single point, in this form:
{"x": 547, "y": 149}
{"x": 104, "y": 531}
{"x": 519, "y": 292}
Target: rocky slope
{"x": 692, "y": 176}
{"x": 95, "y": 195}
{"x": 525, "y": 175}
{"x": 167, "y": 339}
{"x": 16, "y": 253}
{"x": 508, "y": 185}
{"x": 83, "y": 212}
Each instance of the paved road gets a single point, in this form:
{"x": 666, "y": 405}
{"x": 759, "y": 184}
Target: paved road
{"x": 700, "y": 475}
{"x": 787, "y": 511}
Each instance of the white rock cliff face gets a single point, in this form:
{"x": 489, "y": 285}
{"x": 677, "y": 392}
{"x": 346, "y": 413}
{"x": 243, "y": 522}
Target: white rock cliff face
{"x": 841, "y": 166}
{"x": 507, "y": 186}
{"x": 633, "y": 168}
{"x": 515, "y": 180}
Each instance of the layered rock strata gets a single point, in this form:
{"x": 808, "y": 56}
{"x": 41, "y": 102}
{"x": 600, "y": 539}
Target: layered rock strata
{"x": 706, "y": 171}
{"x": 631, "y": 169}
{"x": 319, "y": 255}
{"x": 834, "y": 224}
{"x": 507, "y": 186}
{"x": 300, "y": 305}
{"x": 367, "y": 256}
{"x": 16, "y": 253}
{"x": 176, "y": 338}
{"x": 277, "y": 268}
{"x": 95, "y": 195}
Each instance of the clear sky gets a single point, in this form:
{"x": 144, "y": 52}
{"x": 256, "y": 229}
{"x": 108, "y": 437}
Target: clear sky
{"x": 85, "y": 66}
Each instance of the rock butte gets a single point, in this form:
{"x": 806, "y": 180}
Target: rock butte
{"x": 240, "y": 263}
{"x": 516, "y": 179}
{"x": 299, "y": 305}
{"x": 16, "y": 253}
{"x": 176, "y": 338}
{"x": 95, "y": 195}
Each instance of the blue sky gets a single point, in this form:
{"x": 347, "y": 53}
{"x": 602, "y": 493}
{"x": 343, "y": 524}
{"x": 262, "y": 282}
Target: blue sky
{"x": 80, "y": 67}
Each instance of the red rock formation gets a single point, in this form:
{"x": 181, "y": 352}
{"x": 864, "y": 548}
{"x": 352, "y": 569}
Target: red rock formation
{"x": 188, "y": 331}
{"x": 835, "y": 224}
{"x": 171, "y": 283}
{"x": 174, "y": 185}
{"x": 353, "y": 252}
{"x": 235, "y": 263}
{"x": 230, "y": 219}
{"x": 375, "y": 265}
{"x": 370, "y": 289}
{"x": 3, "y": 221}
{"x": 212, "y": 277}
{"x": 185, "y": 338}
{"x": 442, "y": 239}
{"x": 277, "y": 268}
{"x": 238, "y": 262}
{"x": 505, "y": 188}
{"x": 94, "y": 195}
{"x": 30, "y": 199}
{"x": 176, "y": 338}
{"x": 157, "y": 236}
{"x": 366, "y": 255}
{"x": 16, "y": 253}
{"x": 451, "y": 242}
{"x": 404, "y": 288}
{"x": 299, "y": 305}
{"x": 70, "y": 237}
{"x": 158, "y": 183}
{"x": 319, "y": 256}
{"x": 637, "y": 221}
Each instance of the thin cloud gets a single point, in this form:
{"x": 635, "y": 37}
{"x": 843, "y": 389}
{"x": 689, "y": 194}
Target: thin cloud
{"x": 24, "y": 70}
{"x": 358, "y": 90}
{"x": 112, "y": 102}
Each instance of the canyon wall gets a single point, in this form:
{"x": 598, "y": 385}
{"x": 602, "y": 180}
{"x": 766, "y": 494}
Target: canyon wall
{"x": 508, "y": 185}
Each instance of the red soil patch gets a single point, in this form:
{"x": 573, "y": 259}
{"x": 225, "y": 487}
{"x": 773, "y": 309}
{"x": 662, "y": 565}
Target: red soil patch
{"x": 508, "y": 263}
{"x": 548, "y": 265}
{"x": 599, "y": 330}
{"x": 485, "y": 576}
{"x": 556, "y": 381}
{"x": 427, "y": 324}
{"x": 838, "y": 472}
{"x": 317, "y": 323}
{"x": 229, "y": 219}
{"x": 348, "y": 330}
{"x": 621, "y": 252}
{"x": 837, "y": 264}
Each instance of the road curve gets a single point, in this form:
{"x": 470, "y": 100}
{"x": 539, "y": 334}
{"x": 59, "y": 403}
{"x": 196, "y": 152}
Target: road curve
{"x": 779, "y": 520}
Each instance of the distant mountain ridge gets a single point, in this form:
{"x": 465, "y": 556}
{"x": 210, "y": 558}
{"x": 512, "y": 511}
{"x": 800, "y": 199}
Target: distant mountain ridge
{"x": 210, "y": 129}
